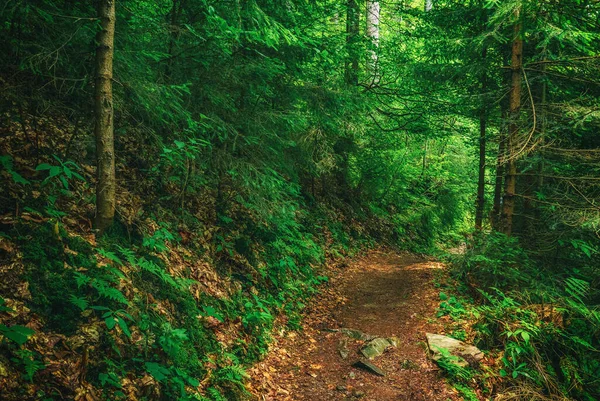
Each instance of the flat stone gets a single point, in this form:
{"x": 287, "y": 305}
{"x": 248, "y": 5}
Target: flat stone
{"x": 466, "y": 354}
{"x": 377, "y": 347}
{"x": 369, "y": 367}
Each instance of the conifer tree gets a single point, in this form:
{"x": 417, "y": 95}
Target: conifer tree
{"x": 104, "y": 117}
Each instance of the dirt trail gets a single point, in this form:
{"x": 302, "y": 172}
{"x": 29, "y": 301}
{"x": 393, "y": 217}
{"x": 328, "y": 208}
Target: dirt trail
{"x": 382, "y": 294}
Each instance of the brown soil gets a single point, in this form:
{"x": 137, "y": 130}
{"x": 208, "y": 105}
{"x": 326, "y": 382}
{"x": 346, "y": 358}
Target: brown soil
{"x": 384, "y": 294}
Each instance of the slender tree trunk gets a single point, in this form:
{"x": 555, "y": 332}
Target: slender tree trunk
{"x": 352, "y": 33}
{"x": 481, "y": 178}
{"x": 482, "y": 142}
{"x": 173, "y": 33}
{"x": 373, "y": 15}
{"x": 104, "y": 114}
{"x": 508, "y": 208}
{"x": 495, "y": 214}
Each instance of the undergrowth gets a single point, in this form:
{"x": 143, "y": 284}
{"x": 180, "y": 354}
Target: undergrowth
{"x": 539, "y": 325}
{"x": 134, "y": 308}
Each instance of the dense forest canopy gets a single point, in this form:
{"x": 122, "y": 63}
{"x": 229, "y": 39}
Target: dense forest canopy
{"x": 173, "y": 170}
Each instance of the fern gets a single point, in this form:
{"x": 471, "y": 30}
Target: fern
{"x": 111, "y": 256}
{"x": 128, "y": 254}
{"x": 576, "y": 288}
{"x": 153, "y": 268}
{"x": 81, "y": 279}
{"x": 29, "y": 362}
{"x": 106, "y": 291}
{"x": 215, "y": 395}
{"x": 79, "y": 302}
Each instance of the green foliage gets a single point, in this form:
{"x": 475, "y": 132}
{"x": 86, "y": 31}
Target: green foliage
{"x": 30, "y": 362}
{"x": 63, "y": 172}
{"x": 18, "y": 334}
{"x": 158, "y": 241}
{"x": 237, "y": 127}
{"x": 7, "y": 164}
{"x": 544, "y": 326}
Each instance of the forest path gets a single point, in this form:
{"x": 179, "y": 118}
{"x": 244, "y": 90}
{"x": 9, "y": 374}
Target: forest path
{"x": 383, "y": 294}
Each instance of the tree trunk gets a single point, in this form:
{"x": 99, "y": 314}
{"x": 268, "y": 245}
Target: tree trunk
{"x": 104, "y": 115}
{"x": 508, "y": 208}
{"x": 428, "y": 5}
{"x": 373, "y": 14}
{"x": 352, "y": 39}
{"x": 173, "y": 34}
{"x": 482, "y": 141}
{"x": 495, "y": 214}
{"x": 481, "y": 179}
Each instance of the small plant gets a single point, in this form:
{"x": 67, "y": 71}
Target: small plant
{"x": 30, "y": 362}
{"x": 158, "y": 241}
{"x": 63, "y": 172}
{"x": 112, "y": 318}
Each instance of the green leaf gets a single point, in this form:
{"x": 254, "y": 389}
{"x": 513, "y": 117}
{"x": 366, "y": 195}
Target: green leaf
{"x": 124, "y": 327}
{"x": 443, "y": 296}
{"x": 18, "y": 334}
{"x": 210, "y": 311}
{"x": 54, "y": 171}
{"x": 157, "y": 371}
{"x": 192, "y": 381}
{"x": 64, "y": 181}
{"x": 43, "y": 166}
{"x": 17, "y": 178}
{"x": 110, "y": 322}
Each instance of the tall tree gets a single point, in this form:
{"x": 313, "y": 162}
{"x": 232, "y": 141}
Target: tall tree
{"x": 373, "y": 15}
{"x": 482, "y": 142}
{"x": 104, "y": 114}
{"x": 508, "y": 207}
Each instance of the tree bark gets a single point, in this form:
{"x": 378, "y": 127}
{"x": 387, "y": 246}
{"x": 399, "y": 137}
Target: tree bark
{"x": 508, "y": 208}
{"x": 104, "y": 116}
{"x": 352, "y": 33}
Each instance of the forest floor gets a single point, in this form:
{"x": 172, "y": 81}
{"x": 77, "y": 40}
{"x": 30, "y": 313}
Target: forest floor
{"x": 385, "y": 294}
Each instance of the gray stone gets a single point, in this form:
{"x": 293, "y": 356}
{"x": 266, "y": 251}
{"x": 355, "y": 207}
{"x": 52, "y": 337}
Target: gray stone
{"x": 466, "y": 354}
{"x": 377, "y": 347}
{"x": 343, "y": 348}
{"x": 369, "y": 367}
